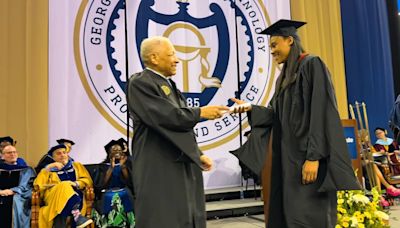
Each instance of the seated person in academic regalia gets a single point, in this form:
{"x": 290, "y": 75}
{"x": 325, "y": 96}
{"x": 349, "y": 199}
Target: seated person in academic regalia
{"x": 113, "y": 188}
{"x": 15, "y": 189}
{"x": 47, "y": 159}
{"x": 386, "y": 146}
{"x": 61, "y": 184}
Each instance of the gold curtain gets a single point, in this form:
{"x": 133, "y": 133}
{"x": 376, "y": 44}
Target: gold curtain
{"x": 24, "y": 73}
{"x": 322, "y": 36}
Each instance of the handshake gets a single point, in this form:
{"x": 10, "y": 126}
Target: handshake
{"x": 217, "y": 111}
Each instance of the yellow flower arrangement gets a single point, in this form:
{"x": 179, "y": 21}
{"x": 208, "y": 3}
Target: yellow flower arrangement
{"x": 355, "y": 209}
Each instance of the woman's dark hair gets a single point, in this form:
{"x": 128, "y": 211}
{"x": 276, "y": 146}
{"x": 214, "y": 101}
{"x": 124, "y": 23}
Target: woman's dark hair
{"x": 290, "y": 67}
{"x": 381, "y": 129}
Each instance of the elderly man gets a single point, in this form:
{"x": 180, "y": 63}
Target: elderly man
{"x": 15, "y": 189}
{"x": 5, "y": 141}
{"x": 47, "y": 159}
{"x": 61, "y": 184}
{"x": 167, "y": 162}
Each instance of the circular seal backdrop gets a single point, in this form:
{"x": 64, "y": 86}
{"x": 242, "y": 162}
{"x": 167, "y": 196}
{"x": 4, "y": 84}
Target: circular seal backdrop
{"x": 204, "y": 36}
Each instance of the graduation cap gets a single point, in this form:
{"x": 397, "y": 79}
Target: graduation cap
{"x": 7, "y": 139}
{"x": 54, "y": 148}
{"x": 62, "y": 141}
{"x": 284, "y": 28}
{"x": 122, "y": 141}
{"x": 113, "y": 142}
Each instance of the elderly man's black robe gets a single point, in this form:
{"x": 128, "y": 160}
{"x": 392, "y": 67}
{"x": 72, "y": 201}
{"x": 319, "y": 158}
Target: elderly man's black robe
{"x": 306, "y": 126}
{"x": 167, "y": 175}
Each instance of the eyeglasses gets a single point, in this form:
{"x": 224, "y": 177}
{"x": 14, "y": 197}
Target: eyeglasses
{"x": 10, "y": 152}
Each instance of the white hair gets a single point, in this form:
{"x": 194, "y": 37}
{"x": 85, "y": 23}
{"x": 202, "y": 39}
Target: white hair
{"x": 149, "y": 46}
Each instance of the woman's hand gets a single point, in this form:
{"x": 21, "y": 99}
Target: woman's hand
{"x": 241, "y": 107}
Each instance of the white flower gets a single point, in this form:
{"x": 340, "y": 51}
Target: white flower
{"x": 354, "y": 221}
{"x": 358, "y": 198}
{"x": 382, "y": 215}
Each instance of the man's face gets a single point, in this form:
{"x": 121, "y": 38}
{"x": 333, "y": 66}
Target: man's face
{"x": 165, "y": 59}
{"x": 4, "y": 144}
{"x": 280, "y": 48}
{"x": 10, "y": 154}
{"x": 60, "y": 155}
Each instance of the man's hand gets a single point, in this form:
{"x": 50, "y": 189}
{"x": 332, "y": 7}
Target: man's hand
{"x": 207, "y": 162}
{"x": 213, "y": 111}
{"x": 310, "y": 171}
{"x": 57, "y": 165}
{"x": 6, "y": 192}
{"x": 73, "y": 184}
{"x": 240, "y": 109}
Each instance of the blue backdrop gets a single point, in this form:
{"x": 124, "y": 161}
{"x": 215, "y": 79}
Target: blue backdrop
{"x": 368, "y": 59}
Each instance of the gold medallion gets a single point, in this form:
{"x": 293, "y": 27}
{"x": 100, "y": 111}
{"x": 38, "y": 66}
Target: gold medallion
{"x": 166, "y": 89}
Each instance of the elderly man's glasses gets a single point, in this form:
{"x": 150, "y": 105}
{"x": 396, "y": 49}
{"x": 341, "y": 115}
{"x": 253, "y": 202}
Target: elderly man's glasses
{"x": 10, "y": 152}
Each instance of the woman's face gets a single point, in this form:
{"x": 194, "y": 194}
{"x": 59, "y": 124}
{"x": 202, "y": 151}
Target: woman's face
{"x": 380, "y": 134}
{"x": 280, "y": 48}
{"x": 116, "y": 152}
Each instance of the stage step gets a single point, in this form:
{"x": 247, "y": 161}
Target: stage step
{"x": 232, "y": 193}
{"x": 233, "y": 202}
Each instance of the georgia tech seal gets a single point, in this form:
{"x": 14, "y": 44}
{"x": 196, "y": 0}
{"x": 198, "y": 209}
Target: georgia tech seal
{"x": 204, "y": 36}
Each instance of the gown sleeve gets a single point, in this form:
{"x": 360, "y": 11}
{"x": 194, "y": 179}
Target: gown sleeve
{"x": 322, "y": 108}
{"x": 25, "y": 183}
{"x": 326, "y": 139}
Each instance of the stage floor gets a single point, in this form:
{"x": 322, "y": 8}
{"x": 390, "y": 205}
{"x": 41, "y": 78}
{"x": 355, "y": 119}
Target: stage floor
{"x": 256, "y": 221}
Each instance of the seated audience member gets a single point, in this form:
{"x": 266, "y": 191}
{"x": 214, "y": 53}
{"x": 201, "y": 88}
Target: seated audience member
{"x": 47, "y": 159}
{"x": 15, "y": 189}
{"x": 391, "y": 191}
{"x": 386, "y": 146}
{"x": 114, "y": 189}
{"x": 61, "y": 184}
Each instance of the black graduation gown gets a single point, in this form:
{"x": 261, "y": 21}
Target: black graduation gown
{"x": 306, "y": 126}
{"x": 167, "y": 178}
{"x": 9, "y": 179}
